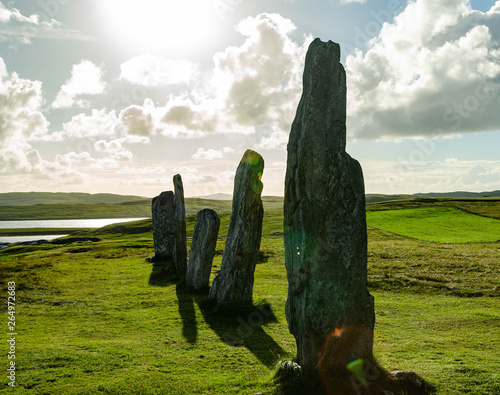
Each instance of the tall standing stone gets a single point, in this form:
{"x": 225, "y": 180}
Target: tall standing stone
{"x": 180, "y": 257}
{"x": 202, "y": 250}
{"x": 163, "y": 215}
{"x": 329, "y": 309}
{"x": 234, "y": 283}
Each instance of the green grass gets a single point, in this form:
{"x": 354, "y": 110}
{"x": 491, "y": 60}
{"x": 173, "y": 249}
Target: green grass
{"x": 131, "y": 209}
{"x": 32, "y": 198}
{"x": 438, "y": 224}
{"x": 94, "y": 318}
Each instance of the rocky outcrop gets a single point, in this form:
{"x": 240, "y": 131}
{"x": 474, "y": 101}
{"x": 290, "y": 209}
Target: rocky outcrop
{"x": 202, "y": 250}
{"x": 234, "y": 284}
{"x": 180, "y": 256}
{"x": 325, "y": 224}
{"x": 163, "y": 214}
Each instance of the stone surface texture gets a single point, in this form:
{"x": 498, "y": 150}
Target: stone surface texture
{"x": 202, "y": 250}
{"x": 163, "y": 214}
{"x": 325, "y": 223}
{"x": 180, "y": 255}
{"x": 234, "y": 283}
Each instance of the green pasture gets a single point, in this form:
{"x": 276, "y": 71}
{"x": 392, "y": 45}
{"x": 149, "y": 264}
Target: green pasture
{"x": 95, "y": 318}
{"x": 437, "y": 224}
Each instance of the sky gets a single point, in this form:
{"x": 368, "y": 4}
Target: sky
{"x": 118, "y": 96}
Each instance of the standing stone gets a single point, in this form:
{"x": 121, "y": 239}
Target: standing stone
{"x": 163, "y": 227}
{"x": 202, "y": 251}
{"x": 329, "y": 309}
{"x": 180, "y": 257}
{"x": 234, "y": 284}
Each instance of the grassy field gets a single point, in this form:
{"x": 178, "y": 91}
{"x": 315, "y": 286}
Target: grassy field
{"x": 439, "y": 224}
{"x": 94, "y": 318}
{"x": 35, "y": 198}
{"x": 131, "y": 209}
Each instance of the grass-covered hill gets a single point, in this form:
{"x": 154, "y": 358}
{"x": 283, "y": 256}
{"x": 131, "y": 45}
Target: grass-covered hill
{"x": 129, "y": 209}
{"x": 32, "y": 198}
{"x": 84, "y": 206}
{"x": 95, "y": 318}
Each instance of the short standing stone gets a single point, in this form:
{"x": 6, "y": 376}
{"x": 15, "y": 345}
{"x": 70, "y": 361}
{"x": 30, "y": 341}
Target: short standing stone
{"x": 328, "y": 306}
{"x": 163, "y": 216}
{"x": 180, "y": 257}
{"x": 202, "y": 250}
{"x": 234, "y": 284}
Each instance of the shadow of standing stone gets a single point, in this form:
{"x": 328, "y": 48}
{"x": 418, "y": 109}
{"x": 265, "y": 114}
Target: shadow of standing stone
{"x": 202, "y": 251}
{"x": 163, "y": 215}
{"x": 234, "y": 284}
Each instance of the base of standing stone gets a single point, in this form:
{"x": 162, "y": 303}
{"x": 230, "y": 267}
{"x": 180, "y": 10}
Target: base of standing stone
{"x": 359, "y": 378}
{"x": 158, "y": 260}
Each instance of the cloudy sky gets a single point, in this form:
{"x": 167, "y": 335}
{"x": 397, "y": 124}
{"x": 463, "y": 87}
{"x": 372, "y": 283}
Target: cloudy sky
{"x": 118, "y": 96}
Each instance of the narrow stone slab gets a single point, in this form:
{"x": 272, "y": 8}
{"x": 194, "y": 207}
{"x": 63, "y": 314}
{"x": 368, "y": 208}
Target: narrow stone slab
{"x": 234, "y": 284}
{"x": 202, "y": 250}
{"x": 328, "y": 306}
{"x": 163, "y": 215}
{"x": 180, "y": 257}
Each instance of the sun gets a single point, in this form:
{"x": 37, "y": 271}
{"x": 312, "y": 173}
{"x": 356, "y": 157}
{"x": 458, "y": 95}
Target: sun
{"x": 158, "y": 26}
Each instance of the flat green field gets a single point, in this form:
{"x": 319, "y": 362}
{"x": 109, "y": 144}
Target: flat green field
{"x": 94, "y": 318}
{"x": 438, "y": 224}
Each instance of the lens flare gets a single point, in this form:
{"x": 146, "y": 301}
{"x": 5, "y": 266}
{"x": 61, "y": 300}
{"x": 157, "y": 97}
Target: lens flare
{"x": 358, "y": 368}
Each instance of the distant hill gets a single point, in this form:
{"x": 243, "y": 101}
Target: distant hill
{"x": 460, "y": 194}
{"x": 32, "y": 198}
{"x": 43, "y": 205}
{"x": 217, "y": 196}
{"x": 375, "y": 198}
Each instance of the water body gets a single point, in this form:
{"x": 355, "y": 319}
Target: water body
{"x": 57, "y": 223}
{"x": 64, "y": 223}
{"x": 20, "y": 239}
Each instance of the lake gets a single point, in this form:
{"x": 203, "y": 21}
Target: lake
{"x": 56, "y": 223}
{"x": 64, "y": 223}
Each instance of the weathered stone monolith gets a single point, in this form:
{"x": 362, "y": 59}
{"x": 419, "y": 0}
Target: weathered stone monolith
{"x": 234, "y": 283}
{"x": 163, "y": 215}
{"x": 329, "y": 309}
{"x": 180, "y": 256}
{"x": 202, "y": 250}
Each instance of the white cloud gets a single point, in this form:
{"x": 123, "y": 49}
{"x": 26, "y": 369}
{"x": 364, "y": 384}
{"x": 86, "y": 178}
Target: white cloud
{"x": 86, "y": 79}
{"x": 250, "y": 87}
{"x": 210, "y": 154}
{"x": 20, "y": 115}
{"x": 277, "y": 140}
{"x": 112, "y": 146}
{"x": 183, "y": 118}
{"x": 17, "y": 29}
{"x": 352, "y": 1}
{"x": 434, "y": 71}
{"x": 98, "y": 124}
{"x": 142, "y": 170}
{"x": 153, "y": 71}
{"x": 446, "y": 175}
{"x": 116, "y": 145}
{"x": 13, "y": 14}
{"x": 138, "y": 120}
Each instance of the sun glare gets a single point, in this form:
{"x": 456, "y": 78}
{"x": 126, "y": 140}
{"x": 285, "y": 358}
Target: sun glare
{"x": 159, "y": 25}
